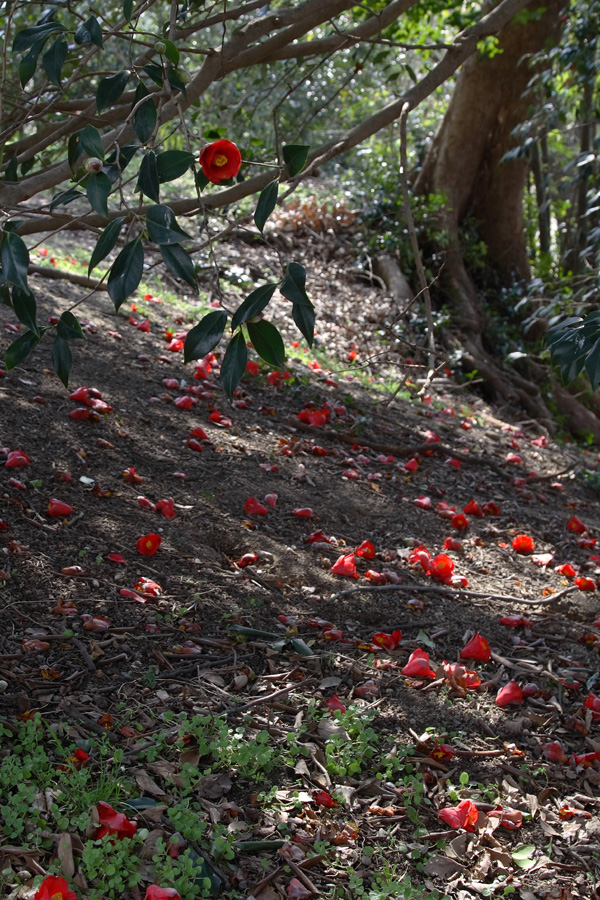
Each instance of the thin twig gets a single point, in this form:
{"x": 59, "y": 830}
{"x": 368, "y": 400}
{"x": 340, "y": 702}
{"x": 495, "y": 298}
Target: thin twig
{"x": 454, "y": 592}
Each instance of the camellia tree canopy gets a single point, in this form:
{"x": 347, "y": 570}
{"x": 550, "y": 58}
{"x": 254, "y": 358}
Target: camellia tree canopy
{"x": 101, "y": 113}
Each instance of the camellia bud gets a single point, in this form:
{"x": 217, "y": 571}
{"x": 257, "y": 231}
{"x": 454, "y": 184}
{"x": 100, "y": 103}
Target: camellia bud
{"x": 183, "y": 76}
{"x": 94, "y": 165}
{"x": 160, "y": 46}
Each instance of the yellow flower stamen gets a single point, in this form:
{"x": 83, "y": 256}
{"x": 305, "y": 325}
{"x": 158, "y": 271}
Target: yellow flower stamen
{"x": 220, "y": 160}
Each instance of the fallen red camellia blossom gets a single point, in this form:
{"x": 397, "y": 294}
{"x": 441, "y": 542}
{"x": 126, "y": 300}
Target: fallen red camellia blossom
{"x": 490, "y": 509}
{"x": 511, "y": 819}
{"x": 113, "y": 823}
{"x": 592, "y": 702}
{"x": 54, "y": 888}
{"x": 584, "y": 759}
{"x": 154, "y": 892}
{"x": 117, "y": 558}
{"x": 522, "y": 543}
{"x": 366, "y": 550}
{"x": 58, "y": 508}
{"x": 387, "y": 641}
{"x": 148, "y": 544}
{"x": 418, "y": 665}
{"x": 220, "y": 161}
{"x": 132, "y": 476}
{"x": 345, "y": 565}
{"x": 420, "y": 557}
{"x": 554, "y": 752}
{"x": 335, "y": 704}
{"x": 567, "y": 570}
{"x": 193, "y": 444}
{"x": 297, "y": 891}
{"x": 16, "y": 459}
{"x": 510, "y": 693}
{"x": 576, "y": 525}
{"x": 368, "y": 690}
{"x": 147, "y": 587}
{"x": 459, "y": 678}
{"x": 248, "y": 559}
{"x": 459, "y": 521}
{"x": 144, "y": 503}
{"x": 423, "y": 502}
{"x": 317, "y": 537}
{"x": 303, "y": 512}
{"x": 464, "y": 815}
{"x": 585, "y": 584}
{"x": 376, "y": 577}
{"x": 477, "y": 648}
{"x": 95, "y": 623}
{"x": 514, "y": 621}
{"x": 441, "y": 567}
{"x": 253, "y": 507}
{"x": 271, "y": 500}
{"x": 322, "y": 798}
{"x": 452, "y": 543}
{"x": 166, "y": 508}
{"x": 473, "y": 508}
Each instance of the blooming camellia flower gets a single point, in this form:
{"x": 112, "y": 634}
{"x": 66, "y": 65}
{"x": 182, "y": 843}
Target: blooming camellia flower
{"x": 441, "y": 567}
{"x": 387, "y": 641}
{"x": 418, "y": 665}
{"x": 54, "y": 888}
{"x": 522, "y": 543}
{"x": 473, "y": 508}
{"x": 148, "y": 544}
{"x": 477, "y": 648}
{"x": 464, "y": 815}
{"x": 576, "y": 525}
{"x": 585, "y": 584}
{"x": 220, "y": 161}
{"x": 567, "y": 570}
{"x": 366, "y": 550}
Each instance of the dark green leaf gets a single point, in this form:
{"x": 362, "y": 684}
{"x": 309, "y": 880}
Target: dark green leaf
{"x": 253, "y": 305}
{"x": 204, "y": 336}
{"x": 234, "y": 364}
{"x": 69, "y": 328}
{"x": 117, "y": 162}
{"x": 126, "y": 272}
{"x": 128, "y": 9}
{"x": 98, "y": 188}
{"x": 65, "y": 197}
{"x": 141, "y": 803}
{"x": 295, "y": 156}
{"x": 175, "y": 81}
{"x": 267, "y": 342}
{"x": 54, "y": 59}
{"x": 14, "y": 256}
{"x": 202, "y": 870}
{"x": 201, "y": 180}
{"x": 162, "y": 226}
{"x": 144, "y": 118}
{"x": 106, "y": 242}
{"x": 5, "y": 297}
{"x": 19, "y": 349}
{"x": 592, "y": 365}
{"x": 180, "y": 263}
{"x": 301, "y": 647}
{"x": 89, "y": 32}
{"x": 73, "y": 151}
{"x": 11, "y": 173}
{"x": 25, "y": 307}
{"x": 110, "y": 89}
{"x": 303, "y": 315}
{"x": 172, "y": 53}
{"x": 27, "y": 164}
{"x": 147, "y": 181}
{"x": 28, "y": 64}
{"x": 294, "y": 284}
{"x": 173, "y": 163}
{"x": 12, "y": 225}
{"x": 28, "y": 37}
{"x": 155, "y": 73}
{"x": 253, "y": 846}
{"x": 266, "y": 204}
{"x": 91, "y": 142}
{"x": 62, "y": 359}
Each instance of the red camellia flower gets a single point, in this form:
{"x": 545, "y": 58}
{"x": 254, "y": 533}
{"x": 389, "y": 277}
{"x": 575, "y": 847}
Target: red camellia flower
{"x": 576, "y": 525}
{"x": 167, "y": 508}
{"x": 317, "y": 537}
{"x": 490, "y": 509}
{"x": 459, "y": 521}
{"x": 345, "y": 565}
{"x": 113, "y": 823}
{"x": 510, "y": 693}
{"x": 441, "y": 567}
{"x": 16, "y": 459}
{"x": 411, "y": 465}
{"x": 458, "y": 677}
{"x": 253, "y": 507}
{"x": 148, "y": 544}
{"x": 511, "y": 819}
{"x": 477, "y": 648}
{"x": 452, "y": 543}
{"x": 522, "y": 543}
{"x": 567, "y": 570}
{"x": 584, "y": 759}
{"x": 58, "y": 508}
{"x": 592, "y": 702}
{"x": 418, "y": 665}
{"x": 515, "y": 621}
{"x": 334, "y": 704}
{"x": 366, "y": 550}
{"x": 220, "y": 160}
{"x": 54, "y": 888}
{"x": 376, "y": 577}
{"x": 464, "y": 815}
{"x": 248, "y": 559}
{"x": 554, "y": 752}
{"x": 473, "y": 508}
{"x": 387, "y": 641}
{"x": 154, "y": 892}
{"x": 322, "y": 798}
{"x": 585, "y": 584}
{"x": 303, "y": 512}
{"x": 144, "y": 503}
{"x": 423, "y": 502}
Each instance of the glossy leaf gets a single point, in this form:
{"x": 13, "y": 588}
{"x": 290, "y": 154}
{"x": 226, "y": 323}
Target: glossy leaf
{"x": 20, "y": 349}
{"x": 14, "y": 256}
{"x": 171, "y": 52}
{"x": 91, "y": 142}
{"x": 65, "y": 197}
{"x": 53, "y": 60}
{"x": 118, "y": 161}
{"x": 180, "y": 263}
{"x": 303, "y": 315}
{"x": 28, "y": 37}
{"x": 144, "y": 118}
{"x": 73, "y": 151}
{"x": 234, "y": 364}
{"x": 592, "y": 364}
{"x": 172, "y": 164}
{"x": 266, "y": 204}
{"x": 126, "y": 272}
{"x": 204, "y": 336}
{"x": 89, "y": 32}
{"x": 253, "y": 305}
{"x": 28, "y": 64}
{"x": 68, "y": 327}
{"x": 267, "y": 342}
{"x": 294, "y": 284}
{"x": 110, "y": 89}
{"x": 106, "y": 242}
{"x": 127, "y": 9}
{"x": 25, "y": 307}
{"x": 162, "y": 225}
{"x": 62, "y": 359}
{"x": 295, "y": 156}
{"x": 147, "y": 181}
{"x": 97, "y": 189}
